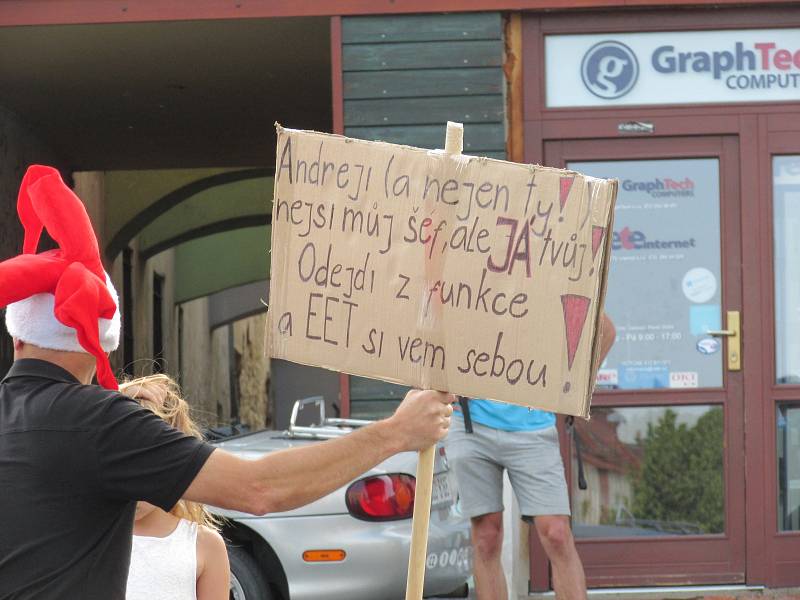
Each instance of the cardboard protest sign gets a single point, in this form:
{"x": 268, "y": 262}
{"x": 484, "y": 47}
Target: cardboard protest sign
{"x": 479, "y": 277}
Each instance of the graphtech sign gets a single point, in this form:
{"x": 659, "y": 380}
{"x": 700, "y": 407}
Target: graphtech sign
{"x": 754, "y": 65}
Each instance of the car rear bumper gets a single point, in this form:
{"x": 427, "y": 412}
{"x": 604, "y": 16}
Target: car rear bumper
{"x": 376, "y": 563}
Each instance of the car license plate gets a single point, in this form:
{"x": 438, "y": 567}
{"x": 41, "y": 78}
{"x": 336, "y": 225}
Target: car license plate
{"x": 441, "y": 493}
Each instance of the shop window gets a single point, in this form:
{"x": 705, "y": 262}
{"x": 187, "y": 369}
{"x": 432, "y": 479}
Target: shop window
{"x": 786, "y": 210}
{"x": 664, "y": 288}
{"x": 127, "y": 311}
{"x": 650, "y": 471}
{"x": 788, "y": 444}
{"x": 158, "y": 323}
{"x": 179, "y": 319}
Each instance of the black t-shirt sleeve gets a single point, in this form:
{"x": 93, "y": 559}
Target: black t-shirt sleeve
{"x": 140, "y": 457}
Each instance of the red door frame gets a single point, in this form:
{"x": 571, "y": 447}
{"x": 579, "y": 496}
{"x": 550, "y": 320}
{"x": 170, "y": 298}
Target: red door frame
{"x": 777, "y": 136}
{"x": 685, "y": 559}
{"x": 758, "y": 128}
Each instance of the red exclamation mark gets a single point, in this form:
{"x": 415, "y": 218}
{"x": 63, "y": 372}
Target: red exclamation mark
{"x": 565, "y": 185}
{"x": 575, "y": 310}
{"x": 598, "y": 233}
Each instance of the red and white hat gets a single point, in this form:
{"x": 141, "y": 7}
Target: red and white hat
{"x": 60, "y": 299}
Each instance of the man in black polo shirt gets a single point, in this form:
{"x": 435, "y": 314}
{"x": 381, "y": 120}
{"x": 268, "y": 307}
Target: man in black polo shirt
{"x": 75, "y": 457}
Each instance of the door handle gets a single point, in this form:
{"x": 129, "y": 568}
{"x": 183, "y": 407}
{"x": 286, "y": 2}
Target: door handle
{"x": 734, "y": 341}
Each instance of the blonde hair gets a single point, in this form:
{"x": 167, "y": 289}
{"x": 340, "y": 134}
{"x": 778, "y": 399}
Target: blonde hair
{"x": 161, "y": 395}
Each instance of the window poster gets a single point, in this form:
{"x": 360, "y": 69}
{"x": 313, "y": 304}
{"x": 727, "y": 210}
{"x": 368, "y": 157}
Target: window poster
{"x": 664, "y": 287}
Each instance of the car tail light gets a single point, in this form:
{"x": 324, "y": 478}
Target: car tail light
{"x": 382, "y": 497}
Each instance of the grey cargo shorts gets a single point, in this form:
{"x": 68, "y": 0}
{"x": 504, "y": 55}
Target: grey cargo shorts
{"x": 533, "y": 461}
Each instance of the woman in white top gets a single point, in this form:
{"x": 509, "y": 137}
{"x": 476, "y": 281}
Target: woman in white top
{"x": 177, "y": 555}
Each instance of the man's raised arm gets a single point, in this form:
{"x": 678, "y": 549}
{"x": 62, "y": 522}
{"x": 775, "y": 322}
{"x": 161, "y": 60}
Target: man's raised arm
{"x": 290, "y": 478}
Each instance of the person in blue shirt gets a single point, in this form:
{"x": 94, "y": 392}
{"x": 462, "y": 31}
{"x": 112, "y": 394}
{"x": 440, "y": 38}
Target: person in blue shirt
{"x": 524, "y": 442}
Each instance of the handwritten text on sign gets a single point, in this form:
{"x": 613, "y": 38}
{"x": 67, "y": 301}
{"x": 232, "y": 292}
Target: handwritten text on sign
{"x": 475, "y": 276}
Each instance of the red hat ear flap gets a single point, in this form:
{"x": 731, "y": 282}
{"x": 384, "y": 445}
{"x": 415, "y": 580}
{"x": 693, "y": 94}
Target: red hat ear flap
{"x": 27, "y": 214}
{"x": 28, "y": 274}
{"x": 66, "y": 220}
{"x": 81, "y": 297}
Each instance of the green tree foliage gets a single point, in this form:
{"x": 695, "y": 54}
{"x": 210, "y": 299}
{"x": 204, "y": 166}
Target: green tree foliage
{"x": 680, "y": 485}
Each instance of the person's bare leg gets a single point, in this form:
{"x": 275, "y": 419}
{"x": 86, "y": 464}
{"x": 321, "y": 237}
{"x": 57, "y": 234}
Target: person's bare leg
{"x": 555, "y": 534}
{"x": 487, "y": 542}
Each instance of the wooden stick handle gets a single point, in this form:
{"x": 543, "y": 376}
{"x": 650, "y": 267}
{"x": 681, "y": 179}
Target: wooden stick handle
{"x": 453, "y": 145}
{"x": 454, "y": 138}
{"x": 419, "y": 525}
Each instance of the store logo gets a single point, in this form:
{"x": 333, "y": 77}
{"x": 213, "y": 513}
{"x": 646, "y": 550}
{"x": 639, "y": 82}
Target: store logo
{"x": 708, "y": 345}
{"x": 770, "y": 62}
{"x": 660, "y": 187}
{"x": 632, "y": 239}
{"x": 609, "y": 69}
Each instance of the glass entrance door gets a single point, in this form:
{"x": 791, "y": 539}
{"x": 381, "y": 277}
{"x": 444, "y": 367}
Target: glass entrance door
{"x": 782, "y": 388}
{"x": 662, "y": 456}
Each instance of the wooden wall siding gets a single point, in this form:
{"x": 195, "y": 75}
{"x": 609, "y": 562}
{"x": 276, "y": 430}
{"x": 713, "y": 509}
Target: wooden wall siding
{"x": 422, "y": 28}
{"x": 422, "y": 82}
{"x": 419, "y": 55}
{"x": 481, "y": 137}
{"x": 405, "y": 76}
{"x": 407, "y": 111}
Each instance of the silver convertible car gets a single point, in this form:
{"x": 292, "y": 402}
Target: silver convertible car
{"x": 352, "y": 544}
